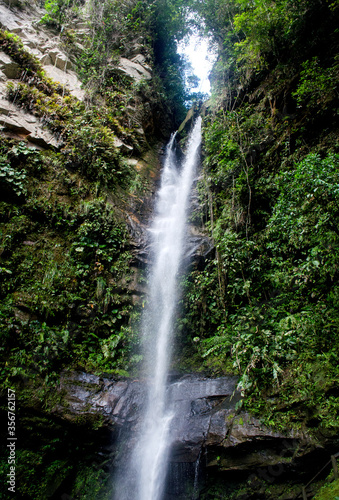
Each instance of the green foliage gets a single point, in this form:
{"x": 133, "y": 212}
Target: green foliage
{"x": 273, "y": 212}
{"x": 61, "y": 265}
{"x": 15, "y": 162}
{"x": 30, "y": 67}
{"x": 277, "y": 289}
{"x": 262, "y": 28}
{"x": 106, "y": 24}
{"x": 265, "y": 306}
{"x": 329, "y": 491}
{"x": 10, "y": 178}
{"x": 272, "y": 208}
{"x": 113, "y": 27}
{"x": 54, "y": 13}
{"x": 90, "y": 146}
{"x": 66, "y": 263}
{"x": 201, "y": 299}
{"x": 59, "y": 11}
{"x": 305, "y": 216}
{"x": 100, "y": 236}
{"x": 162, "y": 23}
{"x": 169, "y": 27}
{"x": 91, "y": 149}
{"x": 317, "y": 86}
{"x": 54, "y": 109}
{"x": 93, "y": 483}
{"x": 12, "y": 45}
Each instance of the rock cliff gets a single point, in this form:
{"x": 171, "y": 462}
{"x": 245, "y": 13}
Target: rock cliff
{"x": 84, "y": 115}
{"x": 209, "y": 432}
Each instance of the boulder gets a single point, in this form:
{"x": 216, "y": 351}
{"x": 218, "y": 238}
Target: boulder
{"x": 133, "y": 69}
{"x": 141, "y": 59}
{"x": 24, "y": 125}
{"x": 194, "y": 402}
{"x": 60, "y": 60}
{"x": 45, "y": 60}
{"x": 88, "y": 394}
{"x": 8, "y": 67}
{"x": 56, "y": 63}
{"x": 249, "y": 444}
{"x": 69, "y": 79}
{"x": 199, "y": 245}
{"x": 123, "y": 148}
{"x": 9, "y": 20}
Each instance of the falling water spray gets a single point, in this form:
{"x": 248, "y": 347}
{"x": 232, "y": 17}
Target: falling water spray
{"x": 146, "y": 474}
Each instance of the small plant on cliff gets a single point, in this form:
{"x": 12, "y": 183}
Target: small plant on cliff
{"x": 11, "y": 178}
{"x": 317, "y": 85}
{"x": 30, "y": 66}
{"x": 57, "y": 11}
{"x": 12, "y": 45}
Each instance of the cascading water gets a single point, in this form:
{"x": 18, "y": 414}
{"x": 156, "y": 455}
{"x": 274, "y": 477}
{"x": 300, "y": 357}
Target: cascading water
{"x": 145, "y": 477}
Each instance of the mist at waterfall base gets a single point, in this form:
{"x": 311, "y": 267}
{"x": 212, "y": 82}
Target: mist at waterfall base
{"x": 143, "y": 477}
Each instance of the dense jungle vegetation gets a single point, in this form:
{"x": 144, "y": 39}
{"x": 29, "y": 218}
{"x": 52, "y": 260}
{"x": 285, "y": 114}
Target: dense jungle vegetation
{"x": 65, "y": 245}
{"x": 67, "y": 216}
{"x": 265, "y": 304}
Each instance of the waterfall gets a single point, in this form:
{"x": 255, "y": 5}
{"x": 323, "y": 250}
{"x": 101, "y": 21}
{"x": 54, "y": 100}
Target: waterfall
{"x": 145, "y": 477}
{"x": 196, "y": 478}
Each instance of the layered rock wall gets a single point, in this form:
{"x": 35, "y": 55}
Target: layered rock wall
{"x": 206, "y": 418}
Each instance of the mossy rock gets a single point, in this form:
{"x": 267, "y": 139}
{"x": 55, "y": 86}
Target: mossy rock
{"x": 329, "y": 492}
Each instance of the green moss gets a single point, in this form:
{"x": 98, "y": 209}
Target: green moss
{"x": 65, "y": 249}
{"x": 62, "y": 260}
{"x": 329, "y": 492}
{"x": 29, "y": 65}
{"x": 51, "y": 454}
{"x": 12, "y": 45}
{"x": 264, "y": 306}
{"x": 93, "y": 484}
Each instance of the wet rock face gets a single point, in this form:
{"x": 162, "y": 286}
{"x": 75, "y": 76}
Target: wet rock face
{"x": 206, "y": 420}
{"x": 200, "y": 407}
{"x": 84, "y": 394}
{"x": 199, "y": 246}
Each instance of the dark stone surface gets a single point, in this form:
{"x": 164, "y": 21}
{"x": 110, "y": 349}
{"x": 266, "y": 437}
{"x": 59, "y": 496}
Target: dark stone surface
{"x": 205, "y": 418}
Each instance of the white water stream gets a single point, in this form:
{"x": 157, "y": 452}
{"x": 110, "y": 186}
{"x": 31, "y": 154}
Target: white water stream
{"x": 146, "y": 474}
